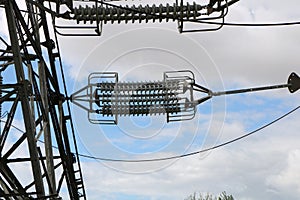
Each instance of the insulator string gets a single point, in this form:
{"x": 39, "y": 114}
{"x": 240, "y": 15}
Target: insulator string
{"x": 141, "y": 13}
{"x": 138, "y": 98}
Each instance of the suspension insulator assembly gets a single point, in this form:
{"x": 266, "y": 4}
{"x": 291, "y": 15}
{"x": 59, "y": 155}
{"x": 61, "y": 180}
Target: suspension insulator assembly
{"x": 140, "y": 13}
{"x": 108, "y": 99}
{"x": 190, "y": 16}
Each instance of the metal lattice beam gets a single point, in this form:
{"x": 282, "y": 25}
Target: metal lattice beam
{"x": 35, "y": 98}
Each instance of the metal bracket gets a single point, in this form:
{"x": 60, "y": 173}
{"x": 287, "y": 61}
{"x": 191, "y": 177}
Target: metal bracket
{"x": 294, "y": 82}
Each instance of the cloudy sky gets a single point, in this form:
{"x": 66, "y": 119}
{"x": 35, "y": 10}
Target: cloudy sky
{"x": 263, "y": 166}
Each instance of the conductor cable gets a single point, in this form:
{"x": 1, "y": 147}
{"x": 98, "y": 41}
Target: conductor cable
{"x": 182, "y": 155}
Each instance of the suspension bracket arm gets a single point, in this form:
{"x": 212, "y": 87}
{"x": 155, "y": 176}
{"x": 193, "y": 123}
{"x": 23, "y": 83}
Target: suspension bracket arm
{"x": 293, "y": 84}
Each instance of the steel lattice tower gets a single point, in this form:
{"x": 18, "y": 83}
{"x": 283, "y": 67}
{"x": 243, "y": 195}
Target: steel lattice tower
{"x": 33, "y": 58}
{"x": 32, "y": 86}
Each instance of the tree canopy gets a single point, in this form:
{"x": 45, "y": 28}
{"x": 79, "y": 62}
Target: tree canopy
{"x": 222, "y": 196}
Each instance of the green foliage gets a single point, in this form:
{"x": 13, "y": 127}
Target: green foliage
{"x": 222, "y": 196}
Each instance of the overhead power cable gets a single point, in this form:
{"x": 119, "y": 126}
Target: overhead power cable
{"x": 182, "y": 155}
{"x": 194, "y": 21}
{"x": 194, "y": 152}
{"x": 249, "y": 24}
{"x": 207, "y": 22}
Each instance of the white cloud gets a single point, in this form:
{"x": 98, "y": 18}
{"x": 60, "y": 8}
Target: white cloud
{"x": 3, "y": 22}
{"x": 263, "y": 166}
{"x": 287, "y": 178}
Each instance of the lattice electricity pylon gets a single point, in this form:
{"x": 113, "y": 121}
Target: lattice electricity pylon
{"x": 187, "y": 14}
{"x": 105, "y": 98}
{"x": 30, "y": 96}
